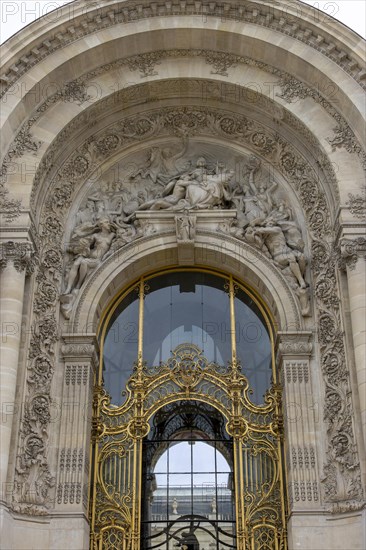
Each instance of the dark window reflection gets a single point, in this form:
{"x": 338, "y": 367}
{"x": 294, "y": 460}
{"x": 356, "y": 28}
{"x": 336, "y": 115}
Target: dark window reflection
{"x": 253, "y": 345}
{"x": 187, "y": 308}
{"x": 120, "y": 347}
{"x": 192, "y": 308}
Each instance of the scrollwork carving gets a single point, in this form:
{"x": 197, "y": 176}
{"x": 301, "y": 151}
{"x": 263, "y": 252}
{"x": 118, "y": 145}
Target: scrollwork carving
{"x": 350, "y": 251}
{"x": 292, "y": 89}
{"x": 341, "y": 478}
{"x": 21, "y": 254}
{"x": 145, "y": 63}
{"x": 221, "y": 62}
{"x": 357, "y": 205}
{"x": 10, "y": 208}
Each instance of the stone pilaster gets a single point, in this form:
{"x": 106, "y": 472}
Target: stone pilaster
{"x": 294, "y": 350}
{"x": 353, "y": 261}
{"x": 73, "y": 459}
{"x": 16, "y": 260}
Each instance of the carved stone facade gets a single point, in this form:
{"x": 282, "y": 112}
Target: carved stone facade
{"x": 189, "y": 155}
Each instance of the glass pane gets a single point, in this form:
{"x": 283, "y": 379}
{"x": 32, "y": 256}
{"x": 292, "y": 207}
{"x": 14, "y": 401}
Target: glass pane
{"x": 203, "y": 457}
{"x": 253, "y": 345}
{"x": 120, "y": 347}
{"x": 196, "y": 506}
{"x": 187, "y": 307}
{"x": 179, "y": 480}
{"x": 221, "y": 463}
{"x": 162, "y": 464}
{"x": 180, "y": 457}
{"x": 161, "y": 479}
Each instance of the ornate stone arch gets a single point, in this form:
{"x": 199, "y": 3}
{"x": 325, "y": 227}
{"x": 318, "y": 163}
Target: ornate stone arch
{"x": 211, "y": 250}
{"x": 111, "y": 62}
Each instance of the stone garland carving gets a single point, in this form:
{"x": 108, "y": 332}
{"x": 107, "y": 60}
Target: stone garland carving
{"x": 357, "y": 205}
{"x": 21, "y": 254}
{"x": 265, "y": 16}
{"x": 32, "y": 471}
{"x": 10, "y": 208}
{"x": 77, "y": 350}
{"x": 24, "y": 141}
{"x": 221, "y": 62}
{"x": 73, "y": 91}
{"x": 145, "y": 63}
{"x": 295, "y": 348}
{"x": 292, "y": 89}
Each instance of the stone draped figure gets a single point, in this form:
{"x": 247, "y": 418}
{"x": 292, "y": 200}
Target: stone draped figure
{"x": 108, "y": 220}
{"x": 89, "y": 245}
{"x": 197, "y": 189}
{"x": 162, "y": 164}
{"x": 267, "y": 223}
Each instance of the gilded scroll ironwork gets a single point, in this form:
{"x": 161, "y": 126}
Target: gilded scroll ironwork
{"x": 117, "y": 448}
{"x": 188, "y": 377}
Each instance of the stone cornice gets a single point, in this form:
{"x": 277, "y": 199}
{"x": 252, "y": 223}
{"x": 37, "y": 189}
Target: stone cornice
{"x": 293, "y": 344}
{"x": 78, "y": 347}
{"x": 269, "y": 15}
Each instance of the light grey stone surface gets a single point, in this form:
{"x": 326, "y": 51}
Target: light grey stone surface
{"x": 101, "y": 109}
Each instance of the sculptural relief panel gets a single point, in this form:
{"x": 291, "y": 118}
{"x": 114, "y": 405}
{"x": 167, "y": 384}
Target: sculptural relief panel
{"x": 186, "y": 175}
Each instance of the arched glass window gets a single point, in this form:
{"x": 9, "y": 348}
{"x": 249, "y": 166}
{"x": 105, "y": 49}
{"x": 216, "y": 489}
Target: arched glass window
{"x": 190, "y": 306}
{"x": 188, "y": 490}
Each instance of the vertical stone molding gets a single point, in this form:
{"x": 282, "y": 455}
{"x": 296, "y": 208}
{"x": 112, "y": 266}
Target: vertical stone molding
{"x": 76, "y": 400}
{"x": 352, "y": 260}
{"x": 15, "y": 262}
{"x": 294, "y": 350}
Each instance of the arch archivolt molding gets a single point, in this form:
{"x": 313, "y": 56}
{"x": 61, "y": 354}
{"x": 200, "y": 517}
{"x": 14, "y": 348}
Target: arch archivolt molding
{"x": 273, "y": 17}
{"x": 287, "y": 88}
{"x": 57, "y": 164}
{"x": 212, "y": 249}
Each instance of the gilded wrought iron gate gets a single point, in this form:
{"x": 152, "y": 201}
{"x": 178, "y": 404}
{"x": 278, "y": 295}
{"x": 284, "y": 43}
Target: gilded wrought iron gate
{"x": 117, "y": 443}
